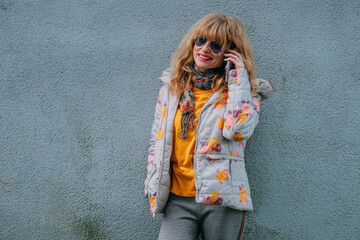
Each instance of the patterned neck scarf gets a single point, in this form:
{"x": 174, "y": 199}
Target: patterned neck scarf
{"x": 202, "y": 79}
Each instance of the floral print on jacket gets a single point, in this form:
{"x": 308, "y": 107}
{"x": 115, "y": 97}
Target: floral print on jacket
{"x": 222, "y": 132}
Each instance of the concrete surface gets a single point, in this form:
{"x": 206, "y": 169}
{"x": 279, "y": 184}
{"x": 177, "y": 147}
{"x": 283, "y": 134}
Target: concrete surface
{"x": 78, "y": 86}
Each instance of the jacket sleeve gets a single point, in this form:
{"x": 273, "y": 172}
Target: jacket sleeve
{"x": 242, "y": 109}
{"x": 151, "y": 166}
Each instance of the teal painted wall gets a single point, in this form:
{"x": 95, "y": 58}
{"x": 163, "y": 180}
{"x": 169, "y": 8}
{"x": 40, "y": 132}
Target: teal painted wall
{"x": 78, "y": 86}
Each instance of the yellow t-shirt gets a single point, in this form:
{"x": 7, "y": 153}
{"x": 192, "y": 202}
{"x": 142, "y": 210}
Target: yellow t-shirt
{"x": 182, "y": 178}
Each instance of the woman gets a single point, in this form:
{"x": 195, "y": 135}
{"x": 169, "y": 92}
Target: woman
{"x": 196, "y": 174}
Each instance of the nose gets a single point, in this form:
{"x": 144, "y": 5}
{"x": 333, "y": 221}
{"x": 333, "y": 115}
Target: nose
{"x": 206, "y": 47}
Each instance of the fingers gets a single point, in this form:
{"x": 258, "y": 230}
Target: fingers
{"x": 232, "y": 57}
{"x": 235, "y": 58}
{"x": 237, "y": 54}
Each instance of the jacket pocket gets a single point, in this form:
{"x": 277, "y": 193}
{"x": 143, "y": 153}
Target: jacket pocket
{"x": 215, "y": 180}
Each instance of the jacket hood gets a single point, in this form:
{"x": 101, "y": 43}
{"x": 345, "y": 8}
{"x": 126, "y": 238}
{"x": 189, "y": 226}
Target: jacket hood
{"x": 264, "y": 88}
{"x": 166, "y": 75}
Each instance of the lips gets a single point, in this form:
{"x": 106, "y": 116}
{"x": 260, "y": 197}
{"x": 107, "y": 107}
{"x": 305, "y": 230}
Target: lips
{"x": 203, "y": 57}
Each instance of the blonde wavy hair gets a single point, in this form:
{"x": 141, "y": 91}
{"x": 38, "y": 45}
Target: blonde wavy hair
{"x": 227, "y": 31}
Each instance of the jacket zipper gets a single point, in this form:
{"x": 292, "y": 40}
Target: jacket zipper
{"x": 204, "y": 108}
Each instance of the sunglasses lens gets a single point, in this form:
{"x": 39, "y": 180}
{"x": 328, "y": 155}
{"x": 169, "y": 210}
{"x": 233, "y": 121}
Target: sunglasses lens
{"x": 215, "y": 47}
{"x": 200, "y": 41}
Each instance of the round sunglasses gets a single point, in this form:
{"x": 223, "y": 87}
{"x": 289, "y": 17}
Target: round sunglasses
{"x": 216, "y": 48}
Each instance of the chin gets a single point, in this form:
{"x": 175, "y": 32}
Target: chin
{"x": 202, "y": 65}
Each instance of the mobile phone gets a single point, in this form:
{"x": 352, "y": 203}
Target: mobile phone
{"x": 227, "y": 69}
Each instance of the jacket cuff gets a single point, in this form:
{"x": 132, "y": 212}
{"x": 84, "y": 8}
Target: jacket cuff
{"x": 239, "y": 77}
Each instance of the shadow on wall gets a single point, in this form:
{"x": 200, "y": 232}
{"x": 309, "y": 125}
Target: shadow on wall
{"x": 90, "y": 228}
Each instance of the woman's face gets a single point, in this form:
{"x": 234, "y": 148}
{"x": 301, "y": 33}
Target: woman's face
{"x": 205, "y": 58}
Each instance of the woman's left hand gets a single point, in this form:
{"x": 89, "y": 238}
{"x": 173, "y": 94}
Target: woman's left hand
{"x": 234, "y": 57}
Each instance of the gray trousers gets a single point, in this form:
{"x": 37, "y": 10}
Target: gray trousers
{"x": 185, "y": 219}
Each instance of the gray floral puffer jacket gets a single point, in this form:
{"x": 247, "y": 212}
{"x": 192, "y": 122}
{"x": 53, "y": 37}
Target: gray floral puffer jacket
{"x": 222, "y": 132}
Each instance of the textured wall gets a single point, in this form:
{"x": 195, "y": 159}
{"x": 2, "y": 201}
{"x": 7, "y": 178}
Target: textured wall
{"x": 78, "y": 86}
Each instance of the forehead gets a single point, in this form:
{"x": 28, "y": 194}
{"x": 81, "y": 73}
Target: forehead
{"x": 214, "y": 33}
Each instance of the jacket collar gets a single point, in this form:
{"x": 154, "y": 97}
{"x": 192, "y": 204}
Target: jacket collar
{"x": 264, "y": 88}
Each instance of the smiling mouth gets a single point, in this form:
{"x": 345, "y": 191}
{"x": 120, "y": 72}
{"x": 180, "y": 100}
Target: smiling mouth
{"x": 204, "y": 58}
